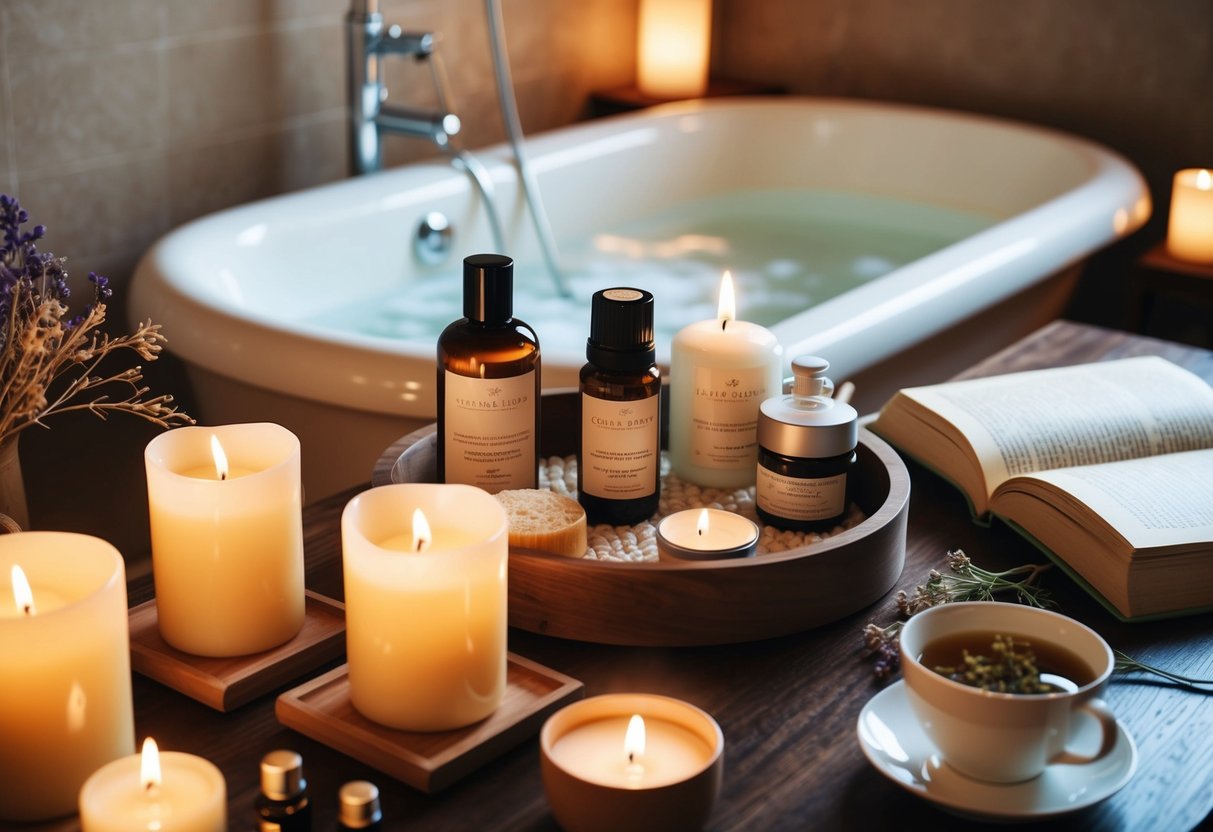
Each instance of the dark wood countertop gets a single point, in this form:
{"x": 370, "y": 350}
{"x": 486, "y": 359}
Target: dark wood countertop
{"x": 788, "y": 706}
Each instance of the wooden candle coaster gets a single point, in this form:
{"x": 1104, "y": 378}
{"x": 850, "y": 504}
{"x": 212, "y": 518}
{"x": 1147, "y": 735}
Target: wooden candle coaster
{"x": 321, "y": 709}
{"x": 227, "y": 683}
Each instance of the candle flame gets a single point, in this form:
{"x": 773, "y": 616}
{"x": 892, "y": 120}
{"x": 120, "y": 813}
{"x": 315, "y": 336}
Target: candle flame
{"x": 22, "y": 594}
{"x": 726, "y": 307}
{"x": 149, "y": 765}
{"x": 422, "y": 536}
{"x": 221, "y": 468}
{"x": 1204, "y": 180}
{"x": 702, "y": 525}
{"x": 633, "y": 740}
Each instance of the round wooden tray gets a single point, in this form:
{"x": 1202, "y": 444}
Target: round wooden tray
{"x": 694, "y": 602}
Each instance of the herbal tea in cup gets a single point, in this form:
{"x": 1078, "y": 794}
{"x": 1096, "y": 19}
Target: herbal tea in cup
{"x": 1000, "y": 688}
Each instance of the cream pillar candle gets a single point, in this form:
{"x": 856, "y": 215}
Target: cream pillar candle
{"x": 631, "y": 761}
{"x": 1190, "y": 232}
{"x": 672, "y": 46}
{"x": 65, "y": 678}
{"x": 720, "y": 371}
{"x": 155, "y": 792}
{"x": 425, "y": 621}
{"x": 227, "y": 550}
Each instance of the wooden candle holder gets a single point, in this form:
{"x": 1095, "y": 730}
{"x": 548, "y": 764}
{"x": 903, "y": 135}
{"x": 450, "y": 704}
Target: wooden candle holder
{"x": 321, "y": 709}
{"x": 227, "y": 683}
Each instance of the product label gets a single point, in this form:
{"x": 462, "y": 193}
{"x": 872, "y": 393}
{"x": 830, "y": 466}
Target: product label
{"x": 800, "y": 499}
{"x": 724, "y": 416}
{"x": 620, "y": 447}
{"x": 489, "y": 431}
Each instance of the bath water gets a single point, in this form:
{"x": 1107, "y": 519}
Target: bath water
{"x": 787, "y": 251}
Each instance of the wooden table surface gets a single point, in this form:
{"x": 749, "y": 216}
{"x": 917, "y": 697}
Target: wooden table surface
{"x": 788, "y": 706}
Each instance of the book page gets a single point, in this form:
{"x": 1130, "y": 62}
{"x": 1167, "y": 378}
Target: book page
{"x": 1160, "y": 501}
{"x": 1070, "y": 416}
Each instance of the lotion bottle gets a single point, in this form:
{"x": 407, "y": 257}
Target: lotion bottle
{"x": 488, "y": 385}
{"x": 619, "y": 454}
{"x": 806, "y": 452}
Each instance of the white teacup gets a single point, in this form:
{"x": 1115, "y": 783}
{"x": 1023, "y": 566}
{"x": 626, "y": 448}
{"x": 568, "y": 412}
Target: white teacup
{"x": 1006, "y": 737}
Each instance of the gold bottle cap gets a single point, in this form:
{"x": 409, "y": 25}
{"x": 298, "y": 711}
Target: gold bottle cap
{"x": 282, "y": 775}
{"x": 359, "y": 804}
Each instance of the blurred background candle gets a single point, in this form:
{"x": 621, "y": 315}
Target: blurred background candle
{"x": 720, "y": 371}
{"x": 227, "y": 537}
{"x": 1190, "y": 232}
{"x": 706, "y": 534}
{"x": 65, "y": 678}
{"x": 631, "y": 761}
{"x": 673, "y": 46}
{"x": 425, "y": 604}
{"x": 155, "y": 791}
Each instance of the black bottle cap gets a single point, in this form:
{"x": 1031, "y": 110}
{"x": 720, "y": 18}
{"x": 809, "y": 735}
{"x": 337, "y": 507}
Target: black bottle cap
{"x": 488, "y": 288}
{"x": 621, "y": 329}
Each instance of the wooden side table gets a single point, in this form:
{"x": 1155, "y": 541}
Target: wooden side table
{"x": 1172, "y": 298}
{"x": 627, "y": 99}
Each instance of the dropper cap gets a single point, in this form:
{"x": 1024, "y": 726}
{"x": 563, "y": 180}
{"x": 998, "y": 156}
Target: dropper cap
{"x": 359, "y": 805}
{"x": 808, "y": 424}
{"x": 621, "y": 330}
{"x": 282, "y": 775}
{"x": 488, "y": 288}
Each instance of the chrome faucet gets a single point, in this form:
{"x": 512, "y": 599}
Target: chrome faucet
{"x": 369, "y": 41}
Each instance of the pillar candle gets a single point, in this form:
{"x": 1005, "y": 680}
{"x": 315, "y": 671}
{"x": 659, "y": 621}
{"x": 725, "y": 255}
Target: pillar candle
{"x": 65, "y": 678}
{"x": 155, "y": 792}
{"x": 425, "y": 622}
{"x": 1190, "y": 232}
{"x": 673, "y": 45}
{"x": 631, "y": 761}
{"x": 227, "y": 553}
{"x": 720, "y": 371}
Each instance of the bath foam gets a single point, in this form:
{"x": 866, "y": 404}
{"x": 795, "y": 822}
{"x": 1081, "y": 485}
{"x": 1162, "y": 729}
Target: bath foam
{"x": 787, "y": 250}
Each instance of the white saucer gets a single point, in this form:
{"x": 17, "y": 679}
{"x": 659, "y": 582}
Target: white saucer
{"x": 896, "y": 745}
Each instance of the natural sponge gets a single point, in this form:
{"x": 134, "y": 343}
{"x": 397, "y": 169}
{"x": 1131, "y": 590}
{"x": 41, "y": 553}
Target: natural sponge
{"x": 544, "y": 520}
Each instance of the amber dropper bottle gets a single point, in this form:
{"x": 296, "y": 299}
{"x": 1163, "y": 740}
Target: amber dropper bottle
{"x": 488, "y": 385}
{"x": 619, "y": 455}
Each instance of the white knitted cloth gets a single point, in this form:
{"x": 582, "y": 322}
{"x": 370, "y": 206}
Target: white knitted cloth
{"x": 639, "y": 543}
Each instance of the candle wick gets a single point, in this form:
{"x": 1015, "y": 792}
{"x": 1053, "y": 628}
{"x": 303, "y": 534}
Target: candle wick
{"x": 723, "y": 324}
{"x": 631, "y": 757}
{"x": 420, "y": 545}
{"x": 699, "y": 532}
{"x": 222, "y": 476}
{"x": 28, "y": 609}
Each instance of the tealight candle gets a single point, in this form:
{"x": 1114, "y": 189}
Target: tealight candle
{"x": 425, "y": 604}
{"x": 1190, "y": 232}
{"x": 631, "y": 761}
{"x": 155, "y": 792}
{"x": 65, "y": 678}
{"x": 720, "y": 371}
{"x": 706, "y": 534}
{"x": 225, "y": 506}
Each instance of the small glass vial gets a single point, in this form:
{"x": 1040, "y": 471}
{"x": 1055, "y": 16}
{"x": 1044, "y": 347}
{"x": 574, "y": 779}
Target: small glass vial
{"x": 619, "y": 455}
{"x": 806, "y": 452}
{"x": 283, "y": 804}
{"x": 488, "y": 385}
{"x": 359, "y": 807}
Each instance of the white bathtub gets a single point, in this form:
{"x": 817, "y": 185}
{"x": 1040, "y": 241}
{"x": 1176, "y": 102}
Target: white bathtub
{"x": 243, "y": 294}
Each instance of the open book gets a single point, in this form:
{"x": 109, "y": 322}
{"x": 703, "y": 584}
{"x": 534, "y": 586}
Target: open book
{"x": 1107, "y": 467}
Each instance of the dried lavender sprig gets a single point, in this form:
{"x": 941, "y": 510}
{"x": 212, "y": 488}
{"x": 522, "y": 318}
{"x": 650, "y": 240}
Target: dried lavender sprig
{"x": 1127, "y": 664}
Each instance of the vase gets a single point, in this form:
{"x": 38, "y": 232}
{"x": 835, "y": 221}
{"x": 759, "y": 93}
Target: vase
{"x": 14, "y": 511}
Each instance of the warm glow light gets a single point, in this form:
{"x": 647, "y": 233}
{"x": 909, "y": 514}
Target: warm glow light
{"x": 22, "y": 594}
{"x": 702, "y": 525}
{"x": 1204, "y": 180}
{"x": 422, "y": 536}
{"x": 673, "y": 47}
{"x": 149, "y": 765}
{"x": 633, "y": 740}
{"x": 221, "y": 468}
{"x": 726, "y": 309}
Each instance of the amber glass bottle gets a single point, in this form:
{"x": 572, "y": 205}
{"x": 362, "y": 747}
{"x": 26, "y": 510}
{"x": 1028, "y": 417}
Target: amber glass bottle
{"x": 619, "y": 455}
{"x": 488, "y": 385}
